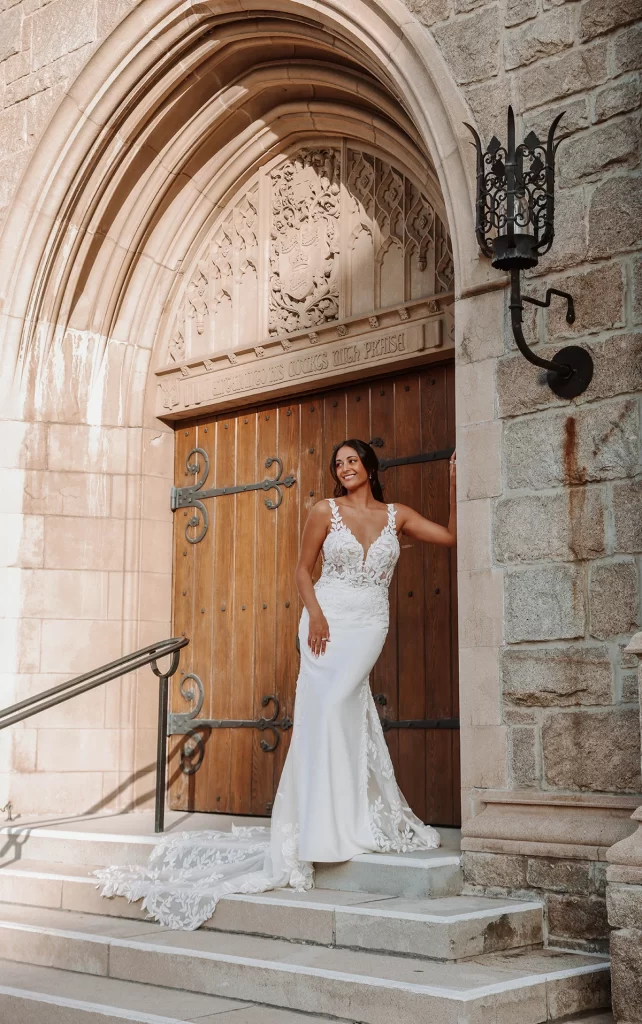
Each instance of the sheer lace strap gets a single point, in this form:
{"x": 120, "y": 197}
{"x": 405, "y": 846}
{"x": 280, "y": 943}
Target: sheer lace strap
{"x": 392, "y": 522}
{"x": 337, "y": 521}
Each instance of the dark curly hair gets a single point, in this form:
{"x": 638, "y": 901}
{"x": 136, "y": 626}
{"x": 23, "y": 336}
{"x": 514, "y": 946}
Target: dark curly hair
{"x": 370, "y": 461}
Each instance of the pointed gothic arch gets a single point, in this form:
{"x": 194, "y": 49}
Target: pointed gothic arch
{"x": 171, "y": 115}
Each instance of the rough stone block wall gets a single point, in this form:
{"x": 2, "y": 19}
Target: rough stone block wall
{"x": 563, "y": 499}
{"x": 573, "y": 893}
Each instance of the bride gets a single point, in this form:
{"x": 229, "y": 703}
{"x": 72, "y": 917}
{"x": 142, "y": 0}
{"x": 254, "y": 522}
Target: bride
{"x": 337, "y": 796}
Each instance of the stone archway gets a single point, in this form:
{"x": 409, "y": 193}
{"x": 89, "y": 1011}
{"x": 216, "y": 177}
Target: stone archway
{"x": 166, "y": 117}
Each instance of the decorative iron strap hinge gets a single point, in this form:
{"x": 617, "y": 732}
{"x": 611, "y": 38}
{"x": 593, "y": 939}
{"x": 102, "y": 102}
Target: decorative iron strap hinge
{"x": 192, "y": 497}
{"x": 414, "y": 723}
{"x": 409, "y": 460}
{"x": 187, "y": 724}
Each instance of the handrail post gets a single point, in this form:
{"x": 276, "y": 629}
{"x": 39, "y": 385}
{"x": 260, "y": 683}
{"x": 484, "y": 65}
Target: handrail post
{"x": 161, "y": 754}
{"x": 97, "y": 677}
{"x": 161, "y": 742}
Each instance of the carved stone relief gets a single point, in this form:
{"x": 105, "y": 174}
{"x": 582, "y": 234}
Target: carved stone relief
{"x": 304, "y": 241}
{"x": 325, "y": 234}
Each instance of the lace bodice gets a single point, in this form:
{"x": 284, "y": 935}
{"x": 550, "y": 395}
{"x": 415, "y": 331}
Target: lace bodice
{"x": 343, "y": 555}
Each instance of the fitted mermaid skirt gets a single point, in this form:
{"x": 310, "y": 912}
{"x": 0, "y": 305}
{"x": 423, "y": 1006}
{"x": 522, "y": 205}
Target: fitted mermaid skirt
{"x": 337, "y": 796}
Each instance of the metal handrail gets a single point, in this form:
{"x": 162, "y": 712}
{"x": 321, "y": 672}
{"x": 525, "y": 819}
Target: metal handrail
{"x": 112, "y": 670}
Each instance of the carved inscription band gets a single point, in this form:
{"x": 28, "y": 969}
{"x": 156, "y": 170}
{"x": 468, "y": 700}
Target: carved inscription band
{"x": 278, "y": 371}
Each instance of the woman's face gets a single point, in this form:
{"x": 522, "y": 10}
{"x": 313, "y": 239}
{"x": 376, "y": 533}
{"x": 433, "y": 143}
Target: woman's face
{"x": 350, "y": 469}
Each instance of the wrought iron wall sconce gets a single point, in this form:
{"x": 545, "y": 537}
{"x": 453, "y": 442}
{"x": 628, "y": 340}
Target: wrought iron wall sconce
{"x": 515, "y": 219}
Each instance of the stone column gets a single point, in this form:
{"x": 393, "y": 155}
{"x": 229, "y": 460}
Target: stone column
{"x": 624, "y": 905}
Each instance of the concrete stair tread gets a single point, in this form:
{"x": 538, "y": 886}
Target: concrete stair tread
{"x": 485, "y": 970}
{"x": 353, "y": 985}
{"x": 33, "y": 994}
{"x": 444, "y": 928}
{"x": 47, "y": 869}
{"x": 129, "y": 839}
{"x": 430, "y": 909}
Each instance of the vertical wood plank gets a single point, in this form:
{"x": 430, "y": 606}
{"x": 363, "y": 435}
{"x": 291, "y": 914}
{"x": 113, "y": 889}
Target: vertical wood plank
{"x": 184, "y": 560}
{"x": 358, "y": 412}
{"x": 438, "y": 630}
{"x": 411, "y": 600}
{"x": 454, "y": 634}
{"x": 287, "y": 603}
{"x": 311, "y": 484}
{"x": 265, "y": 639}
{"x": 222, "y": 661}
{"x": 386, "y": 675}
{"x": 243, "y": 611}
{"x": 202, "y": 620}
{"x": 334, "y": 431}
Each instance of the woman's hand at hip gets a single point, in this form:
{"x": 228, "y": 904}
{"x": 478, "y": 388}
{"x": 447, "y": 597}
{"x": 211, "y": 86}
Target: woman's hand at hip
{"x": 318, "y": 633}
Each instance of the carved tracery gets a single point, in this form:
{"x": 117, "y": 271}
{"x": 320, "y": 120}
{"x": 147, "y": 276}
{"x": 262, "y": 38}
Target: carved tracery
{"x": 323, "y": 234}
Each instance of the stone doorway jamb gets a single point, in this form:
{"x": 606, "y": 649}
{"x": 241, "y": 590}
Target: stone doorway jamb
{"x": 624, "y": 904}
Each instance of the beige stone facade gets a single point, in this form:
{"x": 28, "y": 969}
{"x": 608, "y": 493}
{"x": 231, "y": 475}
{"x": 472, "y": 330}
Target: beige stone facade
{"x": 126, "y": 131}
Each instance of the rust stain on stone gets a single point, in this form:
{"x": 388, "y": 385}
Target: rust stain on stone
{"x": 573, "y": 475}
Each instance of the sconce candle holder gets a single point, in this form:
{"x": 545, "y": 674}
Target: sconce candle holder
{"x": 515, "y": 219}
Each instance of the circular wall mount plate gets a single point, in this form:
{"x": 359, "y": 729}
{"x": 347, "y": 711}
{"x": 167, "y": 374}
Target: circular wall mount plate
{"x": 582, "y": 364}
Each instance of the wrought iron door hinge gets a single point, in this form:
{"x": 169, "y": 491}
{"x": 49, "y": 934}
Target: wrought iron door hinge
{"x": 193, "y": 497}
{"x": 413, "y": 723}
{"x": 409, "y": 460}
{"x": 188, "y": 724}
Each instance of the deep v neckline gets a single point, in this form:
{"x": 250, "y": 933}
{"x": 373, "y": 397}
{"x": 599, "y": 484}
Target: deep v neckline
{"x": 344, "y": 526}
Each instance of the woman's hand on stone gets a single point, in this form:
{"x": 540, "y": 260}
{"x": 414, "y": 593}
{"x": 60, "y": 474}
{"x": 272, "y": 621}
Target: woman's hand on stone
{"x": 318, "y": 633}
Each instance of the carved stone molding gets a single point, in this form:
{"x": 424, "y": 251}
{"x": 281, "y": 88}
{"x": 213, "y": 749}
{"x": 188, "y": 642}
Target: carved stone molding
{"x": 574, "y": 826}
{"x": 301, "y": 360}
{"x": 322, "y": 234}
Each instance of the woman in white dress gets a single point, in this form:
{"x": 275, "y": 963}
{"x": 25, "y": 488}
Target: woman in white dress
{"x": 337, "y": 795}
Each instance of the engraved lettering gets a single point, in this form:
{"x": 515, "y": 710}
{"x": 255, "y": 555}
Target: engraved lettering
{"x": 386, "y": 346}
{"x": 313, "y": 363}
{"x": 346, "y": 356}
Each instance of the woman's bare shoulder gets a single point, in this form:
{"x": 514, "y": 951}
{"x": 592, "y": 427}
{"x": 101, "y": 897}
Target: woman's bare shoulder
{"x": 320, "y": 510}
{"x": 403, "y": 512}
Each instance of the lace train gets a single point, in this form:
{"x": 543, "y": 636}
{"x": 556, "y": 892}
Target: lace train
{"x": 337, "y": 796}
{"x": 187, "y": 873}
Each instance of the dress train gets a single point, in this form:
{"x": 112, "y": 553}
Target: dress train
{"x": 337, "y": 796}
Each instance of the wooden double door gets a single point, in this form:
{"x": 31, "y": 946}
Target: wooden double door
{"x": 235, "y": 597}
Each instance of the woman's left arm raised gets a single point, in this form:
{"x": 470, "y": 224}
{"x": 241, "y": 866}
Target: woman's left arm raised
{"x": 416, "y": 526}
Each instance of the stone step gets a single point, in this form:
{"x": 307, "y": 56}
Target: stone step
{"x": 449, "y": 928}
{"x": 427, "y": 873}
{"x": 372, "y": 988}
{"x": 110, "y": 840}
{"x": 48, "y": 995}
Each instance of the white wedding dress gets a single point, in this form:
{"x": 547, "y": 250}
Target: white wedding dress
{"x": 337, "y": 796}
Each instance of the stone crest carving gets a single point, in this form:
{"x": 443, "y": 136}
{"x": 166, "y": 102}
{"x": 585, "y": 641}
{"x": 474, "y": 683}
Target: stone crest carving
{"x": 304, "y": 241}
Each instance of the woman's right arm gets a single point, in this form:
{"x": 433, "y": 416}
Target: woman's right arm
{"x": 314, "y": 534}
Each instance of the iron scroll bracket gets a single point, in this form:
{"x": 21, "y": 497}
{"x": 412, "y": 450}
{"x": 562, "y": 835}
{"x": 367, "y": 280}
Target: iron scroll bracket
{"x": 570, "y": 371}
{"x": 414, "y": 723}
{"x": 194, "y": 496}
{"x": 189, "y": 725}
